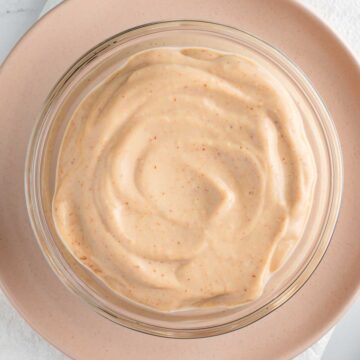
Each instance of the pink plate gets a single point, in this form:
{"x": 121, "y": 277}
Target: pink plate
{"x": 63, "y": 319}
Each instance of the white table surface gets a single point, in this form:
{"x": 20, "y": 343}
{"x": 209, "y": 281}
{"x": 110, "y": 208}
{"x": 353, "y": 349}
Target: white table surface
{"x": 17, "y": 340}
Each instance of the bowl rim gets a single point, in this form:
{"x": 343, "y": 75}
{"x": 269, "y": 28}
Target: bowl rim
{"x": 31, "y": 183}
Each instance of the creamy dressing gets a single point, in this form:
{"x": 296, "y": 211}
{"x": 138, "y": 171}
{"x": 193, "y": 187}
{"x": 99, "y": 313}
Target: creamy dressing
{"x": 185, "y": 179}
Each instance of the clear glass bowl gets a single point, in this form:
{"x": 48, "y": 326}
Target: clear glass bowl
{"x": 47, "y": 135}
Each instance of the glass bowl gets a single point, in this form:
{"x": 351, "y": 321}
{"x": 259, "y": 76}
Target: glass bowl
{"x": 88, "y": 72}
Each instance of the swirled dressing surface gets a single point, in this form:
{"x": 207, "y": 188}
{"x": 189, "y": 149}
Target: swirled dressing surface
{"x": 184, "y": 179}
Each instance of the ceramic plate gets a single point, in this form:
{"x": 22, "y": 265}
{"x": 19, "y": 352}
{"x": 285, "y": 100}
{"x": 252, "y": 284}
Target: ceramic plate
{"x": 30, "y": 71}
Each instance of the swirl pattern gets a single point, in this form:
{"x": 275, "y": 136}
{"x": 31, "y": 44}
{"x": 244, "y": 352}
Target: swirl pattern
{"x": 185, "y": 179}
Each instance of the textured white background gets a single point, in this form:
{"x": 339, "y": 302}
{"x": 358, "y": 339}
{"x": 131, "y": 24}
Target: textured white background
{"x": 18, "y": 341}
